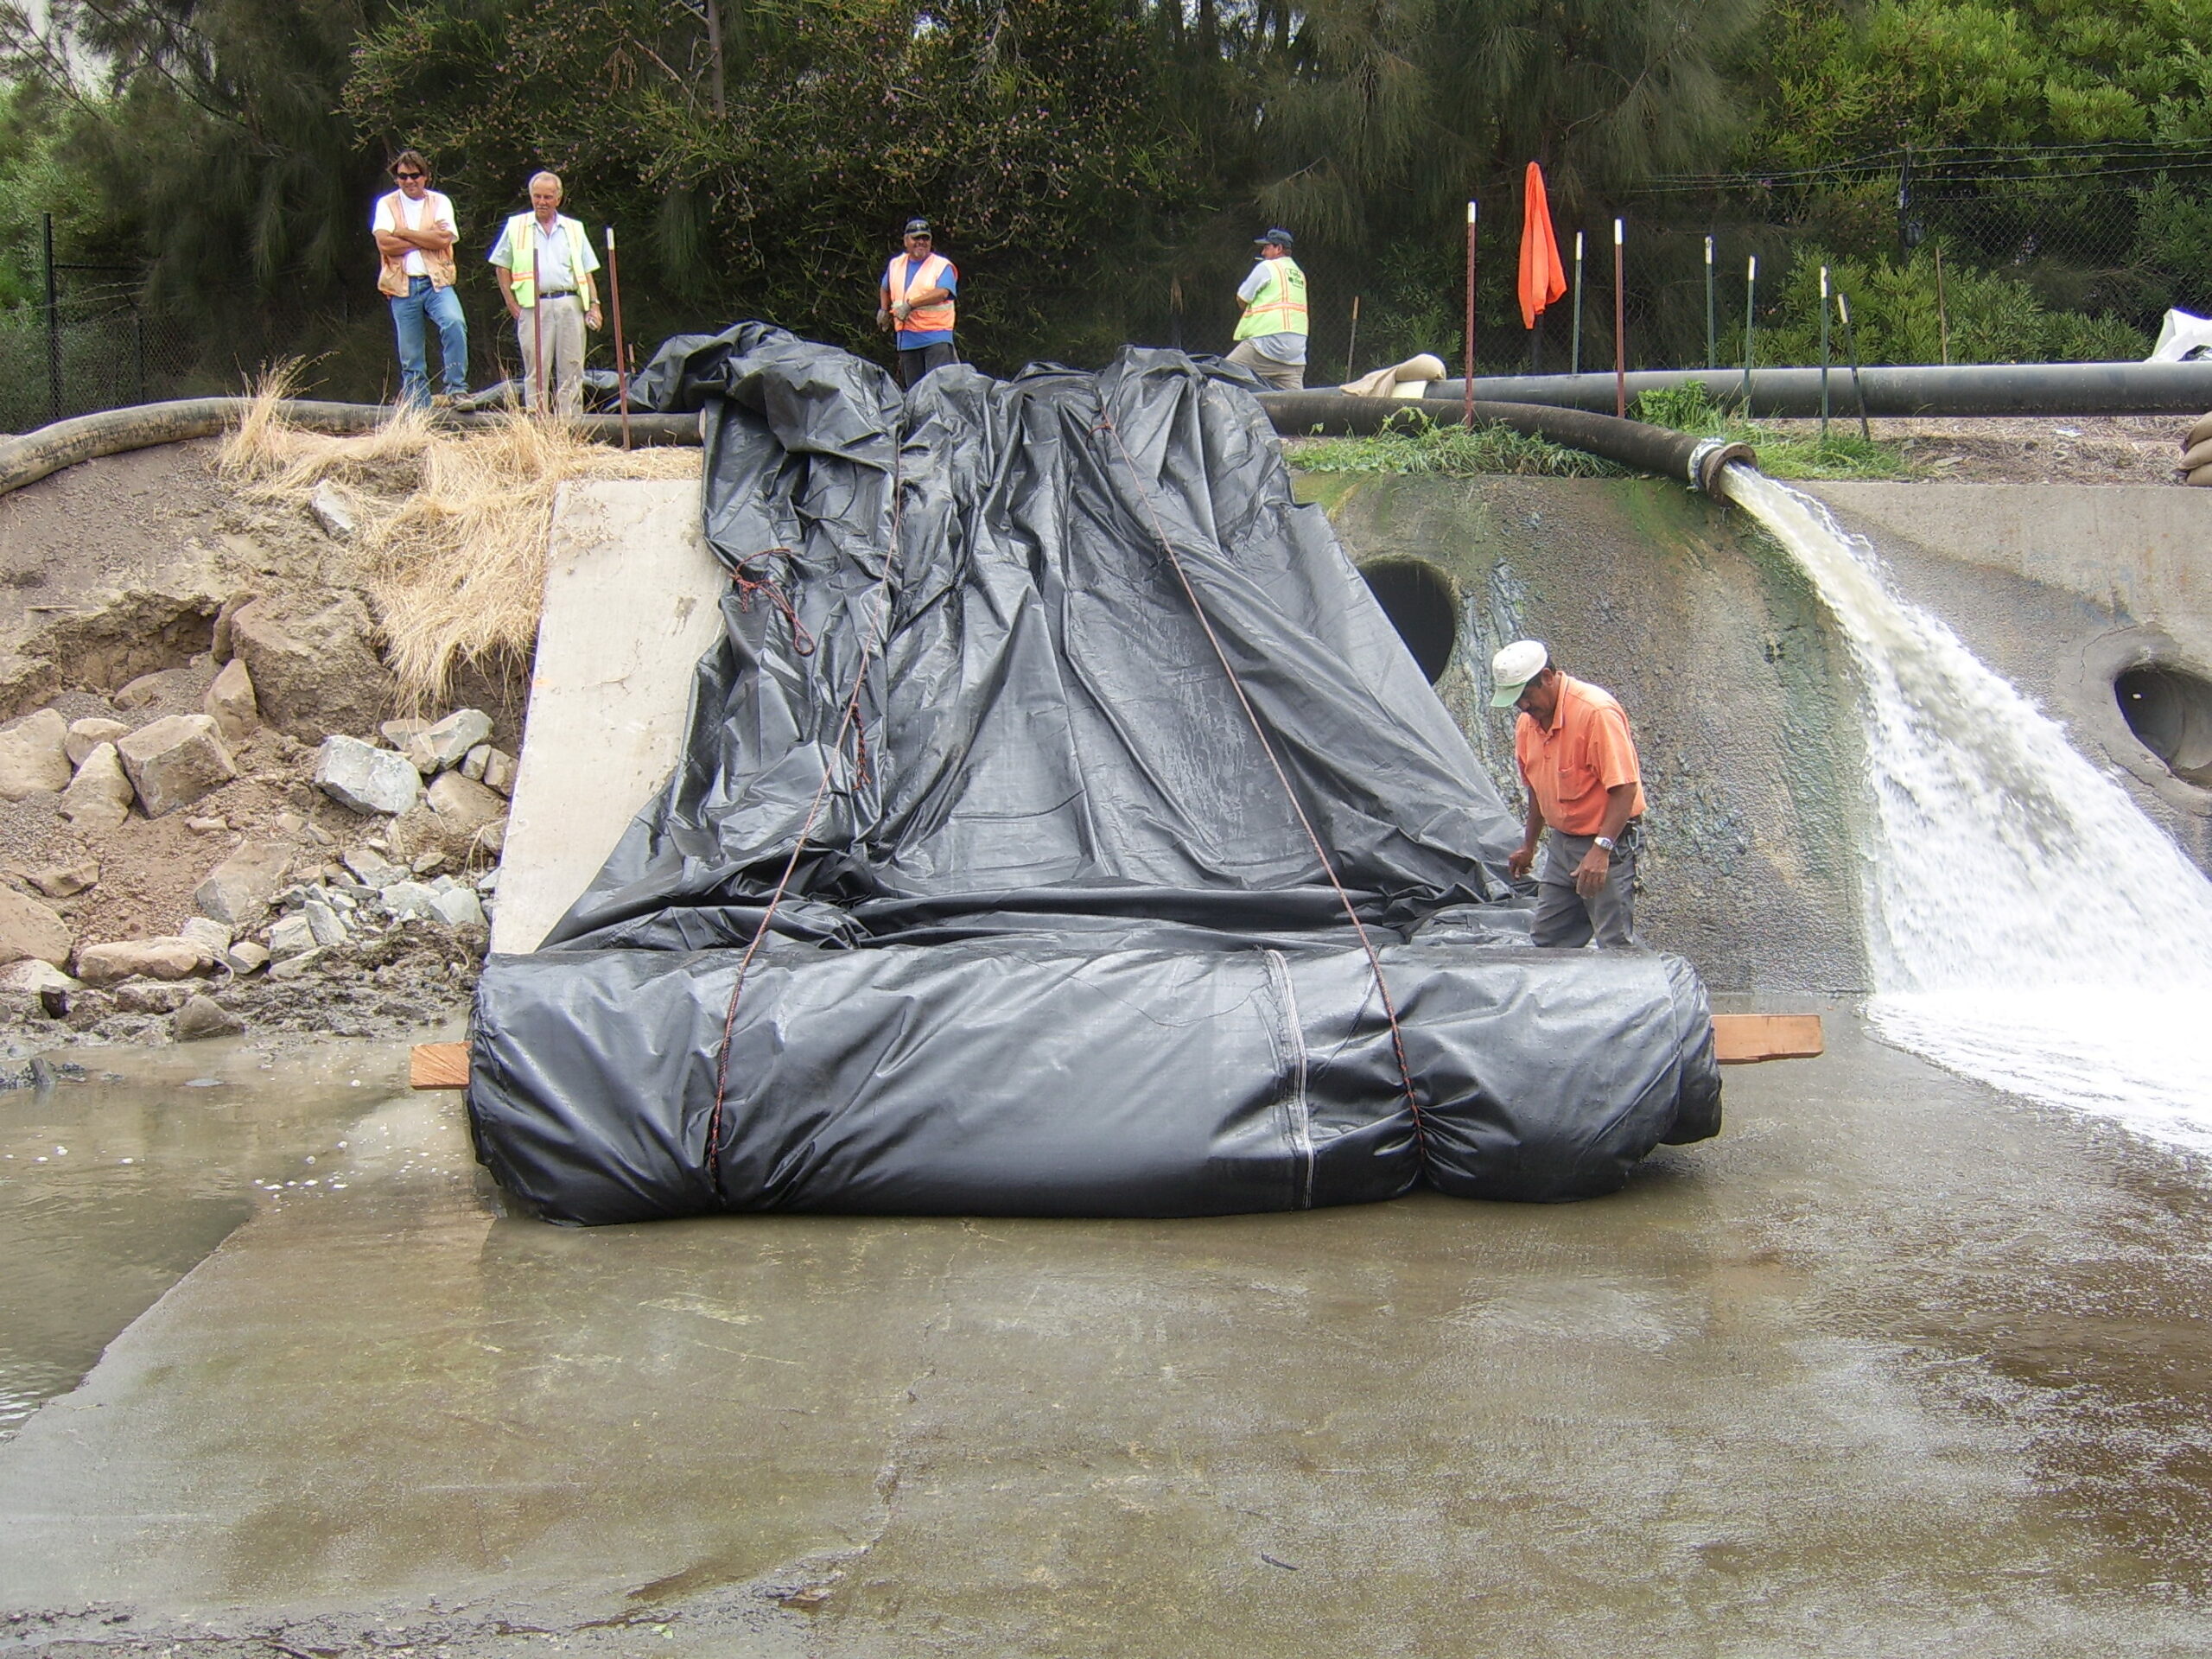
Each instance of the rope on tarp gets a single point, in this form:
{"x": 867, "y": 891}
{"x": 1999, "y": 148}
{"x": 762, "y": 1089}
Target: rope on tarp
{"x": 871, "y": 647}
{"x": 1290, "y": 793}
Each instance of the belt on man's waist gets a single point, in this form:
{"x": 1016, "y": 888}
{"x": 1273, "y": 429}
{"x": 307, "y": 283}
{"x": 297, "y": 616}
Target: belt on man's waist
{"x": 558, "y": 294}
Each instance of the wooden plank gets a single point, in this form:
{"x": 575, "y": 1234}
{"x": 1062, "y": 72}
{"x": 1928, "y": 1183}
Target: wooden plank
{"x": 438, "y": 1065}
{"x": 1737, "y": 1039}
{"x": 1745, "y": 1038}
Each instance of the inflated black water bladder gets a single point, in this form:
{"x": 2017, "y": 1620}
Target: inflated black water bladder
{"x": 1061, "y": 830}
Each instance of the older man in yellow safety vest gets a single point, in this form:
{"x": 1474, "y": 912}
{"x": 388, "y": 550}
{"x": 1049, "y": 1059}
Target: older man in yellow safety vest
{"x": 544, "y": 263}
{"x": 916, "y": 298}
{"x": 1270, "y": 337}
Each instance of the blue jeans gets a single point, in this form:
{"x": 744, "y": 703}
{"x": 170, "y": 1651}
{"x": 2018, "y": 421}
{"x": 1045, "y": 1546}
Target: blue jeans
{"x": 443, "y": 306}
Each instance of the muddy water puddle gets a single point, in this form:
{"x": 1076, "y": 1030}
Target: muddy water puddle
{"x": 1896, "y": 1365}
{"x": 123, "y": 1172}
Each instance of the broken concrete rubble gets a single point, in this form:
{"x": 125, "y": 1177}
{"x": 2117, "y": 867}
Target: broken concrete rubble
{"x": 99, "y": 797}
{"x": 33, "y": 756}
{"x": 366, "y": 778}
{"x": 87, "y": 734}
{"x": 175, "y": 761}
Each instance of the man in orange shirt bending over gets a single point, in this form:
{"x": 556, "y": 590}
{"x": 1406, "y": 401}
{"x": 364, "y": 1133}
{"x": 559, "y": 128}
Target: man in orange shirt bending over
{"x": 1578, "y": 764}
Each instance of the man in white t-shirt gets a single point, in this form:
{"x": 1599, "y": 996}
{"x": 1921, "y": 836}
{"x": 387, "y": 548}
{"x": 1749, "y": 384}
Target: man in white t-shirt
{"x": 415, "y": 234}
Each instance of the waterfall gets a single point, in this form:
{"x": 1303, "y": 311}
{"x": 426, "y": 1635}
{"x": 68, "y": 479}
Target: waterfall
{"x": 2027, "y": 924}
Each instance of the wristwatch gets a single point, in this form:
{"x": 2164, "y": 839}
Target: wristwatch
{"x": 1605, "y": 841}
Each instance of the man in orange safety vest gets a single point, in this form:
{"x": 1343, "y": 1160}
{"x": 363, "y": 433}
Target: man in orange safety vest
{"x": 916, "y": 300}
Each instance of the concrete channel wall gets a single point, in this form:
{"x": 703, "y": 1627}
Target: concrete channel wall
{"x": 1739, "y": 688}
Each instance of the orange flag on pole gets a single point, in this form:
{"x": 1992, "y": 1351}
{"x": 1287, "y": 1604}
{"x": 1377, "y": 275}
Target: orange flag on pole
{"x": 1543, "y": 279}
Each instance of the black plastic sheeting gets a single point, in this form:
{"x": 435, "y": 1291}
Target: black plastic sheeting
{"x": 1051, "y": 938}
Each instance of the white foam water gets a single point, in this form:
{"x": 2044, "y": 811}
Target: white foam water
{"x": 2028, "y": 925}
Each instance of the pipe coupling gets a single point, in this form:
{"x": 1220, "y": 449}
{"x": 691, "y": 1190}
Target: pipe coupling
{"x": 1711, "y": 455}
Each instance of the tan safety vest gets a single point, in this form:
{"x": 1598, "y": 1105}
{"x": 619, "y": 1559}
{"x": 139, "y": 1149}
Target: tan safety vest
{"x": 391, "y": 273}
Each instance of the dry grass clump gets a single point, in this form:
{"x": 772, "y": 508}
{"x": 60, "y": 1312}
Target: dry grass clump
{"x": 453, "y": 523}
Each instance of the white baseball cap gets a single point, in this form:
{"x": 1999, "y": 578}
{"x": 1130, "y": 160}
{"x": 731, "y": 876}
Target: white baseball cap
{"x": 1513, "y": 668}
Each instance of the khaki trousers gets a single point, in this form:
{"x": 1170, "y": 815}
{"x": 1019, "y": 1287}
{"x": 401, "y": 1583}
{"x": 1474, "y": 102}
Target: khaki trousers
{"x": 564, "y": 321}
{"x": 1563, "y": 917}
{"x": 1283, "y": 377}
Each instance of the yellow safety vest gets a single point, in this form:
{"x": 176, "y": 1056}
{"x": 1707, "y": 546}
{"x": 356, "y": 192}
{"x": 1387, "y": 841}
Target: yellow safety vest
{"x": 1281, "y": 308}
{"x": 522, "y": 268}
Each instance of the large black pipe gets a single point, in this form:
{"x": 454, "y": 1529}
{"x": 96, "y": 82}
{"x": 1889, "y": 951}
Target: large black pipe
{"x": 1646, "y": 448}
{"x": 1966, "y": 389}
{"x": 32, "y": 456}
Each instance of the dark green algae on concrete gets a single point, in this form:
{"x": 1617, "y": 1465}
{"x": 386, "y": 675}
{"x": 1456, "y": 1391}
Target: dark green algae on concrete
{"x": 1738, "y": 687}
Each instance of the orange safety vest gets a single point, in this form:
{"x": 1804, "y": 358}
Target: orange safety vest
{"x": 923, "y": 319}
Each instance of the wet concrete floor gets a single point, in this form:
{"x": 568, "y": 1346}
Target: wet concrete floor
{"x": 1897, "y": 1365}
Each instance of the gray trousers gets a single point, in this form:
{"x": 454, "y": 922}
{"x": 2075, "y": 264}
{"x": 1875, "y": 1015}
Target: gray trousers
{"x": 1563, "y": 917}
{"x": 563, "y": 324}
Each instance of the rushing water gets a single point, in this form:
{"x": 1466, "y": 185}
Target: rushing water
{"x": 2028, "y": 925}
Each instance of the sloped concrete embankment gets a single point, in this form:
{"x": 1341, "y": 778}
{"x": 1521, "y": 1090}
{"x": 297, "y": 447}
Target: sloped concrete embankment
{"x": 2095, "y": 601}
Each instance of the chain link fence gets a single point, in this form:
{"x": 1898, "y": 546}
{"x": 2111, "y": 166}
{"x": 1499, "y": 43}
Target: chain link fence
{"x": 91, "y": 347}
{"x": 1956, "y": 256}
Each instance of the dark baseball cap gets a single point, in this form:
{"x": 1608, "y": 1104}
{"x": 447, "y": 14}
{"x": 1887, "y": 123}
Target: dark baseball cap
{"x": 1278, "y": 234}
{"x": 917, "y": 228}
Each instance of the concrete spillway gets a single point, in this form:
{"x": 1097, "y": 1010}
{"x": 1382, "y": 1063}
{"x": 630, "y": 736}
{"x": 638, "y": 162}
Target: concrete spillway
{"x": 1741, "y": 685}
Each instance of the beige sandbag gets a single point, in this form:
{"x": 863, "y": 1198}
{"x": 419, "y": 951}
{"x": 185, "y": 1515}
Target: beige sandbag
{"x": 2202, "y": 477}
{"x": 2201, "y": 432}
{"x": 2197, "y": 455}
{"x": 1415, "y": 372}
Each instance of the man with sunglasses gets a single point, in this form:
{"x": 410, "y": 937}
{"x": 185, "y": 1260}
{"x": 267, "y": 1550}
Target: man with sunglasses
{"x": 414, "y": 231}
{"x": 915, "y": 298}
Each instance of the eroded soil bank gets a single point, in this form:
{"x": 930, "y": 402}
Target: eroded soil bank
{"x": 126, "y": 585}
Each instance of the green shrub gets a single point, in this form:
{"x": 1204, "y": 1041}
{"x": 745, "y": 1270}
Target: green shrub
{"x": 1982, "y": 317}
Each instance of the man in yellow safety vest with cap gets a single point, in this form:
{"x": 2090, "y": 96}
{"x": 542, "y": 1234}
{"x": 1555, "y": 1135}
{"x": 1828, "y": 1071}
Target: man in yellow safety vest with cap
{"x": 1271, "y": 334}
{"x": 915, "y": 297}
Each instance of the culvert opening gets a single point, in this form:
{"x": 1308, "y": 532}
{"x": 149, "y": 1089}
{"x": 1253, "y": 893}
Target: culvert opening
{"x": 2169, "y": 711}
{"x": 1418, "y": 599}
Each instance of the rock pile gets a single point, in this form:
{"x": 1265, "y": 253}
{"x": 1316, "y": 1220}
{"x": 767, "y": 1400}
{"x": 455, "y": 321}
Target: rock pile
{"x": 288, "y": 902}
